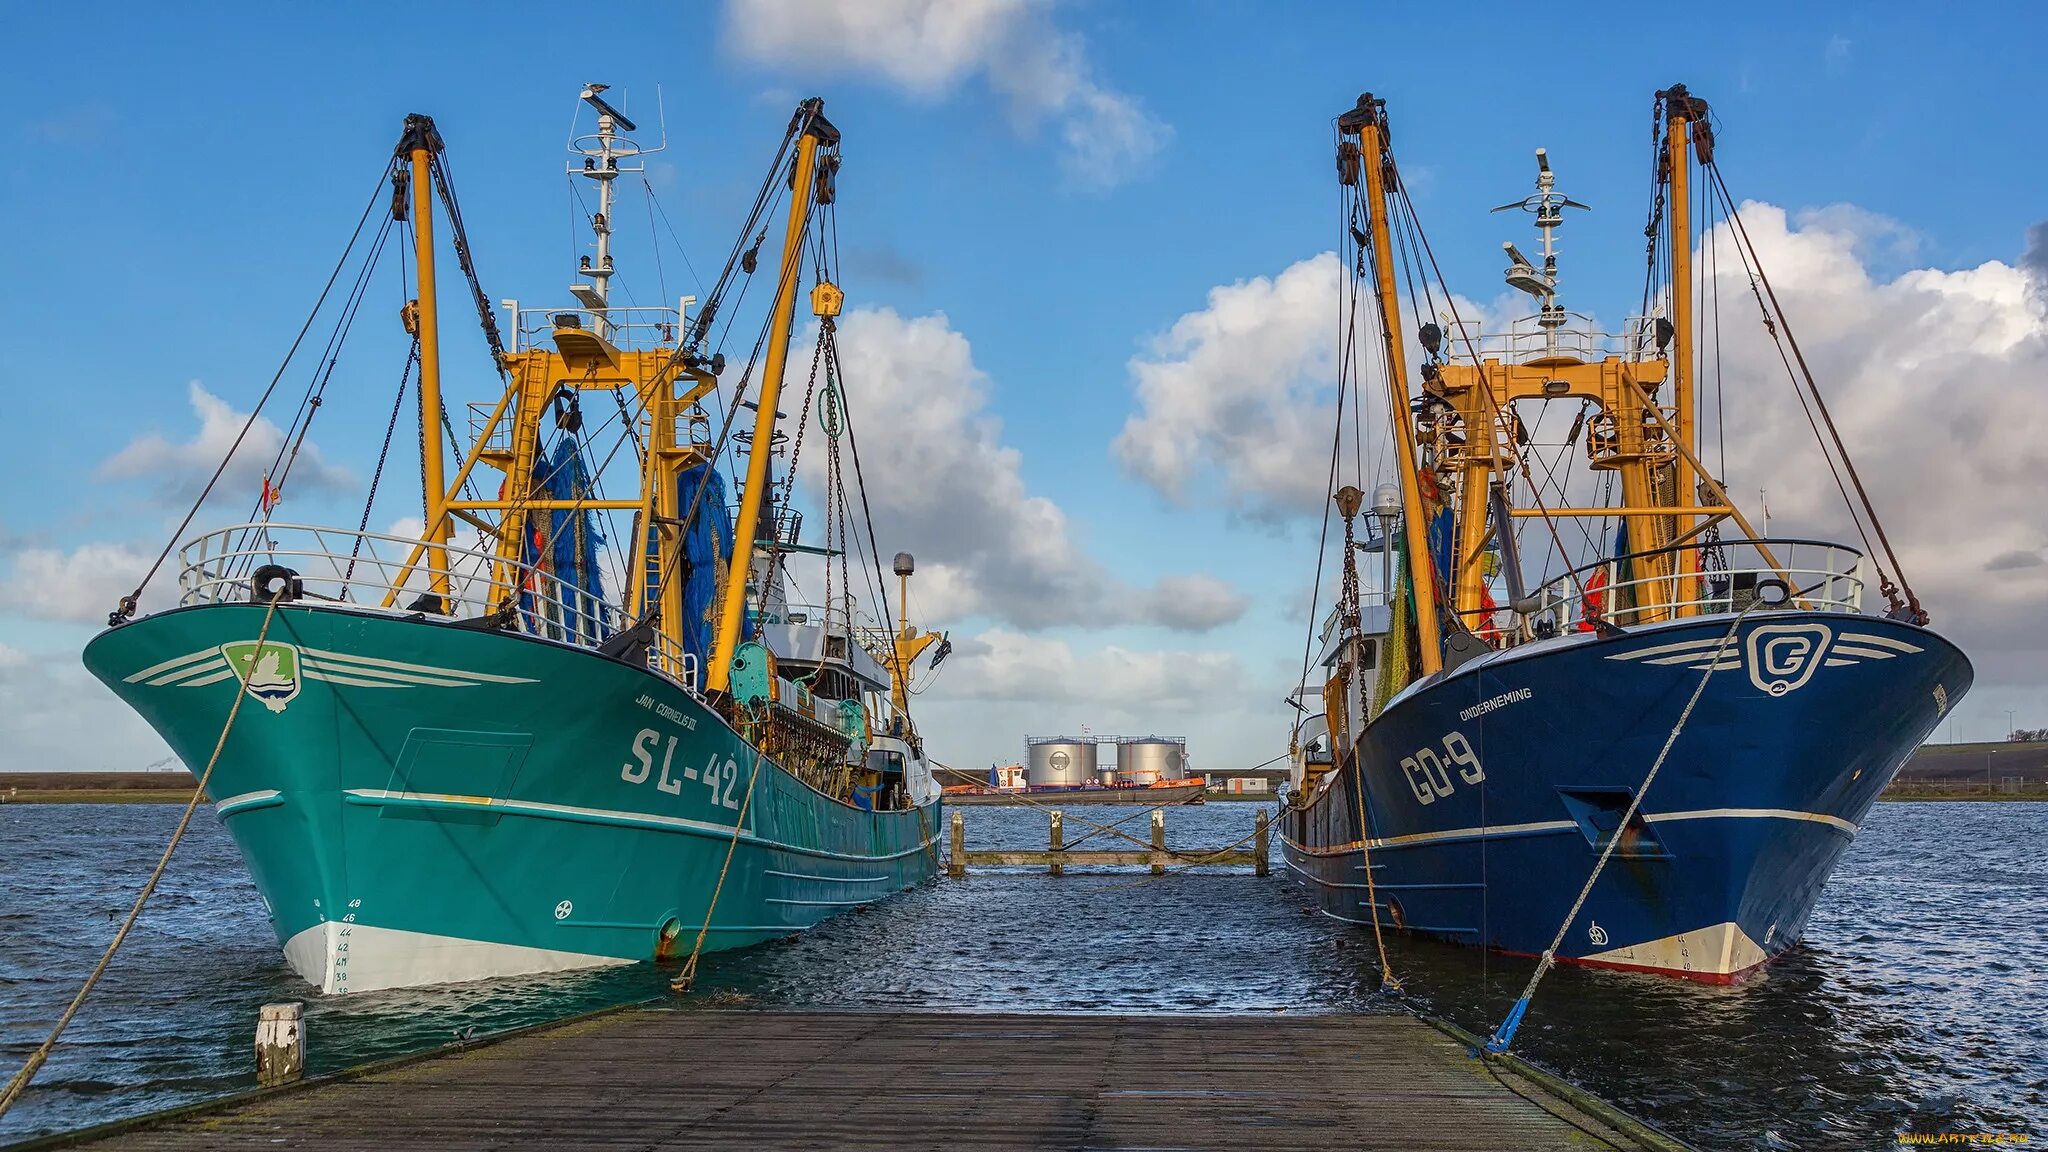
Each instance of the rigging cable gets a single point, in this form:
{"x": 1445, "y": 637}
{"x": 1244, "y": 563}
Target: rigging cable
{"x": 1912, "y": 608}
{"x": 377, "y": 476}
{"x": 20, "y": 1082}
{"x": 125, "y": 609}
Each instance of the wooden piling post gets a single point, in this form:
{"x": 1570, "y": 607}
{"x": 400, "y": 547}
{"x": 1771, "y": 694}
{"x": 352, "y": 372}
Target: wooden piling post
{"x": 1059, "y": 841}
{"x": 956, "y": 862}
{"x": 1158, "y": 839}
{"x": 1261, "y": 849}
{"x": 280, "y": 1043}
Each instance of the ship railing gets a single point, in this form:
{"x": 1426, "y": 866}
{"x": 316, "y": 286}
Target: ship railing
{"x": 667, "y": 657}
{"x": 631, "y": 329}
{"x": 371, "y": 570}
{"x": 1729, "y": 576}
{"x": 1528, "y": 338}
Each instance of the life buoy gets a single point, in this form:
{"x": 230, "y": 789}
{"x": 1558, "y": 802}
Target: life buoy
{"x": 1593, "y": 604}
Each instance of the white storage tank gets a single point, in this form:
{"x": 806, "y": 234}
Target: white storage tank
{"x": 1059, "y": 761}
{"x": 1151, "y": 759}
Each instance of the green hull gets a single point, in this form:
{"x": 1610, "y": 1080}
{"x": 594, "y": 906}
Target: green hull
{"x": 422, "y": 803}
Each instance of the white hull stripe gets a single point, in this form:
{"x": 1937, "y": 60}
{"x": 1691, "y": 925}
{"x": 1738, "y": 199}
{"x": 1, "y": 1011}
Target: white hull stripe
{"x": 260, "y": 799}
{"x": 609, "y": 816}
{"x": 1880, "y": 641}
{"x": 1540, "y": 827}
{"x": 1755, "y": 814}
{"x": 1694, "y": 647}
{"x": 373, "y": 662}
{"x": 208, "y": 666}
{"x": 167, "y": 665}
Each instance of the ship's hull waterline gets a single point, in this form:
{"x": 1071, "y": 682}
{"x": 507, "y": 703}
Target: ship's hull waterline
{"x": 1489, "y": 789}
{"x": 424, "y": 803}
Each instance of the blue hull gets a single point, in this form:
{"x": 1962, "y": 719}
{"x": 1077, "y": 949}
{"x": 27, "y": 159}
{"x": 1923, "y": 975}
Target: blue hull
{"x": 1489, "y": 790}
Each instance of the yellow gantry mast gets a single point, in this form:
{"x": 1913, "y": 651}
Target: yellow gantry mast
{"x": 818, "y": 133}
{"x": 420, "y": 143}
{"x": 1364, "y": 130}
{"x": 1468, "y": 441}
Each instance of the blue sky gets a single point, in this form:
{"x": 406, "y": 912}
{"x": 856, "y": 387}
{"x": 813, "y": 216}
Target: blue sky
{"x": 183, "y": 179}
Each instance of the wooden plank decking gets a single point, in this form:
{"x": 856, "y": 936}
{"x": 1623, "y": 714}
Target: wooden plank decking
{"x": 655, "y": 1079}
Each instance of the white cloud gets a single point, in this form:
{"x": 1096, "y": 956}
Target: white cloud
{"x": 945, "y": 487}
{"x": 1005, "y": 665}
{"x": 1938, "y": 381}
{"x": 1243, "y": 389}
{"x": 82, "y": 585}
{"x": 1195, "y": 603}
{"x": 928, "y": 47}
{"x": 55, "y": 716}
{"x": 180, "y": 469}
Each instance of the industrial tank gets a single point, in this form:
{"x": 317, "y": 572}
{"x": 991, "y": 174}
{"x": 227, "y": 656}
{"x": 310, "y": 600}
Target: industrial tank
{"x": 1151, "y": 759}
{"x": 1059, "y": 761}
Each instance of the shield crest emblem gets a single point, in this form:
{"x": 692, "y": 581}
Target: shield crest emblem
{"x": 271, "y": 675}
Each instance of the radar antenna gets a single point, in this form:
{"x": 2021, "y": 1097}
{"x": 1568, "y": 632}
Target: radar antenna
{"x": 601, "y": 152}
{"x": 1522, "y": 274}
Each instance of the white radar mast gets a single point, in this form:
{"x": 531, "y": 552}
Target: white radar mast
{"x": 1548, "y": 204}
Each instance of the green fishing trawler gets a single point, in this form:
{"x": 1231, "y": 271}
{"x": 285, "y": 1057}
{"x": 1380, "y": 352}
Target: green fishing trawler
{"x": 504, "y": 748}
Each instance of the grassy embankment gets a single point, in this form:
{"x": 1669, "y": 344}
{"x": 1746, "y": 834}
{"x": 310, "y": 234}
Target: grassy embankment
{"x": 95, "y": 787}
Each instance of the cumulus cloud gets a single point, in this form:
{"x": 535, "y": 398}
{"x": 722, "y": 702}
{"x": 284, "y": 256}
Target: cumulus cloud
{"x": 54, "y": 715}
{"x": 81, "y": 585}
{"x": 944, "y": 486}
{"x": 180, "y": 469}
{"x": 929, "y": 47}
{"x": 1243, "y": 390}
{"x": 1939, "y": 383}
{"x": 1006, "y": 665}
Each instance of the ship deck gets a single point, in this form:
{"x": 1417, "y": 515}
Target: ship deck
{"x": 654, "y": 1078}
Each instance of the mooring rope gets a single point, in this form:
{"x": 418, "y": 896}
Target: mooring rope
{"x": 34, "y": 1064}
{"x": 688, "y": 976}
{"x": 1505, "y": 1034}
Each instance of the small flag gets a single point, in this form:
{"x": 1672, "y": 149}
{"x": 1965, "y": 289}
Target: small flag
{"x": 271, "y": 495}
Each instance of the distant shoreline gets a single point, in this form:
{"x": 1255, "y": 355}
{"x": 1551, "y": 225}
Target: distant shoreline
{"x": 97, "y": 796}
{"x": 1969, "y": 797}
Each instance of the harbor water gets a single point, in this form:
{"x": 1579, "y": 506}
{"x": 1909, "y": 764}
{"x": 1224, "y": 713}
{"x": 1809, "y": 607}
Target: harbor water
{"x": 1914, "y": 1003}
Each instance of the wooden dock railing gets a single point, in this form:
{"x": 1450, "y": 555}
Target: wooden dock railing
{"x": 1058, "y": 856}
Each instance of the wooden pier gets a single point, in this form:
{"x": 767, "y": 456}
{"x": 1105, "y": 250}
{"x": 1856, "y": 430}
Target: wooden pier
{"x": 1057, "y": 855}
{"x": 694, "y": 1078}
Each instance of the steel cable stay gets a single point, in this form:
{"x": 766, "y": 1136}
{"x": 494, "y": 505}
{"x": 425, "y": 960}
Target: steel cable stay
{"x": 1776, "y": 323}
{"x": 295, "y": 433}
{"x": 125, "y": 609}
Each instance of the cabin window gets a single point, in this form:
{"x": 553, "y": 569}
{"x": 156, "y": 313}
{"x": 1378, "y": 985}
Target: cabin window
{"x": 885, "y": 762}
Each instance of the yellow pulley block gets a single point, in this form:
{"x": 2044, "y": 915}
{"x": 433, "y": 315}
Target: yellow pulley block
{"x": 827, "y": 299}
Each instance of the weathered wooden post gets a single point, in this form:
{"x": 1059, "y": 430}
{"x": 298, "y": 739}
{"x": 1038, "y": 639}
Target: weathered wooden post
{"x": 280, "y": 1044}
{"x": 1158, "y": 839}
{"x": 1260, "y": 847}
{"x": 956, "y": 864}
{"x": 1059, "y": 841}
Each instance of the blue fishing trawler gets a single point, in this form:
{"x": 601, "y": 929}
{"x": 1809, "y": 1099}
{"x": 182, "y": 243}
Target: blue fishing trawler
{"x": 1653, "y": 758}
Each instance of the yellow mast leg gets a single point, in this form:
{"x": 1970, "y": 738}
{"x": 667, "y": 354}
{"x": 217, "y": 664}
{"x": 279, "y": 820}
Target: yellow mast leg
{"x": 422, "y": 137}
{"x": 733, "y": 596}
{"x": 1481, "y": 432}
{"x": 1679, "y": 156}
{"x": 1366, "y": 119}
